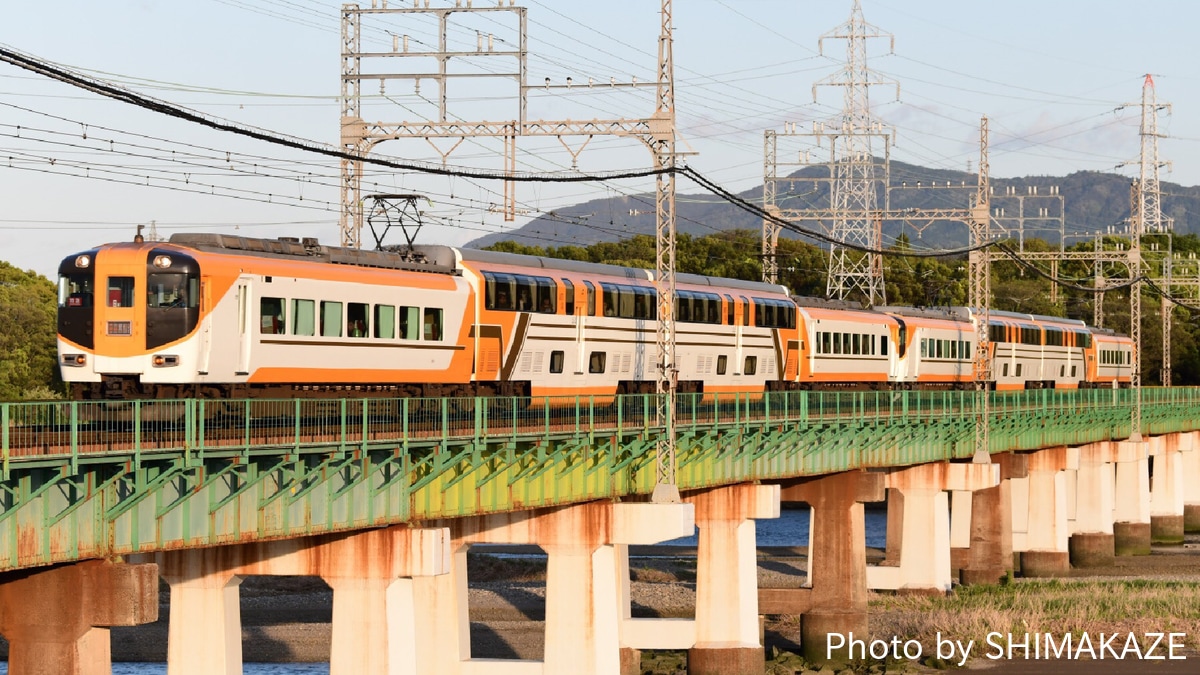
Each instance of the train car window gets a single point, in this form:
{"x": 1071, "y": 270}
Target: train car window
{"x": 303, "y": 317}
{"x": 855, "y": 344}
{"x": 1062, "y": 371}
{"x": 1019, "y": 367}
{"x": 1073, "y": 370}
{"x": 1128, "y": 358}
{"x": 171, "y": 291}
{"x": 526, "y": 293}
{"x": 591, "y": 298}
{"x": 745, "y": 310}
{"x": 625, "y": 303}
{"x": 700, "y": 307}
{"x": 722, "y": 364}
{"x": 751, "y": 365}
{"x": 648, "y": 299}
{"x": 556, "y": 361}
{"x": 331, "y": 319}
{"x": 869, "y": 341}
{"x": 569, "y": 293}
{"x": 1004, "y": 370}
{"x": 996, "y": 333}
{"x": 120, "y": 292}
{"x": 500, "y": 292}
{"x": 730, "y": 316}
{"x": 714, "y": 309}
{"x": 883, "y": 340}
{"x": 824, "y": 343}
{"x": 954, "y": 349}
{"x": 356, "y": 320}
{"x": 385, "y": 322}
{"x": 596, "y": 362}
{"x": 547, "y": 296}
{"x": 609, "y": 298}
{"x": 410, "y": 323}
{"x": 683, "y": 306}
{"x": 270, "y": 316}
{"x": 433, "y": 324}
{"x": 1083, "y": 339}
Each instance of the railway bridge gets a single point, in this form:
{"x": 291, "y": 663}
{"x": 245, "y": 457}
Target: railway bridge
{"x": 383, "y": 498}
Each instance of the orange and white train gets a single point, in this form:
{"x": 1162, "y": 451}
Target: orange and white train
{"x": 216, "y": 316}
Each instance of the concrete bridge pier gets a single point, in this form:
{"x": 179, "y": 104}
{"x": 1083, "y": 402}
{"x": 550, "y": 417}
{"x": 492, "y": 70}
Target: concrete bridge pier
{"x": 1190, "y": 451}
{"x": 727, "y": 628}
{"x": 990, "y": 556}
{"x": 837, "y": 601}
{"x": 1166, "y": 489}
{"x": 1131, "y": 514}
{"x": 374, "y": 615}
{"x": 586, "y": 594}
{"x": 1041, "y": 533}
{"x": 1091, "y": 539}
{"x": 56, "y": 619}
{"x": 924, "y": 564}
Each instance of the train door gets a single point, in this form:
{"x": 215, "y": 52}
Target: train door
{"x": 245, "y": 309}
{"x": 738, "y": 358}
{"x": 581, "y": 319}
{"x": 206, "y": 308}
{"x": 792, "y": 361}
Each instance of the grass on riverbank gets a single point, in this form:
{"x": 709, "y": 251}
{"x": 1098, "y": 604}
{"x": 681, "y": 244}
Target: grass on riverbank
{"x": 1042, "y": 606}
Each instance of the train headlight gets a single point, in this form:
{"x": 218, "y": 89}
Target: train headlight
{"x": 83, "y": 261}
{"x": 164, "y": 360}
{"x": 162, "y": 261}
{"x": 74, "y": 360}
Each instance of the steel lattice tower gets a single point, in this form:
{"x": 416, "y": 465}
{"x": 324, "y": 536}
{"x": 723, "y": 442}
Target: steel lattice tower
{"x": 854, "y": 189}
{"x": 1147, "y": 217}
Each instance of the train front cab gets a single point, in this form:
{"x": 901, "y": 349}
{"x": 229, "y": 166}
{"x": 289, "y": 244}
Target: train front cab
{"x": 122, "y": 309}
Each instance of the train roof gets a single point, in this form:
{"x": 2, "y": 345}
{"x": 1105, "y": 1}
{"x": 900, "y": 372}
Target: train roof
{"x": 435, "y": 259}
{"x": 585, "y": 267}
{"x": 945, "y": 313}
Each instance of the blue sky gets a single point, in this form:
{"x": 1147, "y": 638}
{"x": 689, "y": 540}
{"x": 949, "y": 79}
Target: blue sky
{"x": 1050, "y": 76}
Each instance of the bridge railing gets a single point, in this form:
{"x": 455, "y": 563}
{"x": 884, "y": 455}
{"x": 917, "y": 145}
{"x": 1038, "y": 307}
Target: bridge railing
{"x": 50, "y": 429}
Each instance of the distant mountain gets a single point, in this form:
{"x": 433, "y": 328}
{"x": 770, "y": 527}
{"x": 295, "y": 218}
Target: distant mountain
{"x": 1092, "y": 200}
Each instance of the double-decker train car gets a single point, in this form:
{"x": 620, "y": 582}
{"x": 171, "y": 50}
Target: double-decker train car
{"x": 216, "y": 316}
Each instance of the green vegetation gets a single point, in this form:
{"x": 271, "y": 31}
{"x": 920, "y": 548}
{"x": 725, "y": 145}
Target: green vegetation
{"x": 28, "y": 369}
{"x": 1036, "y": 606}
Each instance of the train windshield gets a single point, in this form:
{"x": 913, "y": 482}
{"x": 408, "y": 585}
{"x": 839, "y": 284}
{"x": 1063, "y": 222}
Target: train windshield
{"x": 75, "y": 290}
{"x": 172, "y": 290}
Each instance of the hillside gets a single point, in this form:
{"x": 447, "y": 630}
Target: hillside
{"x": 1093, "y": 201}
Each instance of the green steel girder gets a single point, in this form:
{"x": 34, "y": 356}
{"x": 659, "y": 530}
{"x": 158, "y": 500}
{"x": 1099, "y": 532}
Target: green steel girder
{"x": 243, "y": 472}
{"x": 463, "y": 463}
{"x": 408, "y": 471}
{"x": 398, "y": 474}
{"x": 636, "y": 451}
{"x": 144, "y": 489}
{"x": 331, "y": 465}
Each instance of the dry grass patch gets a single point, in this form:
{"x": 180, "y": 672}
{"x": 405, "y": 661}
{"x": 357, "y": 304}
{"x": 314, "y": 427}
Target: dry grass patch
{"x": 1057, "y": 607}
